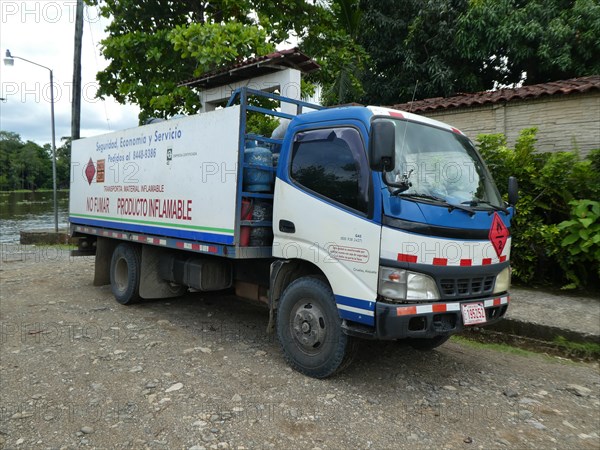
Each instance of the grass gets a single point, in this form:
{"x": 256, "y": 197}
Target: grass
{"x": 494, "y": 346}
{"x": 561, "y": 348}
{"x": 54, "y": 246}
{"x": 60, "y": 246}
{"x": 580, "y": 349}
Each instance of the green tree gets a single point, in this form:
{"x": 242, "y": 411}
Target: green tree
{"x": 412, "y": 53}
{"x": 10, "y": 143}
{"x": 63, "y": 163}
{"x": 155, "y": 44}
{"x": 443, "y": 47}
{"x": 35, "y": 166}
{"x": 332, "y": 39}
{"x": 23, "y": 165}
{"x": 547, "y": 40}
{"x": 374, "y": 51}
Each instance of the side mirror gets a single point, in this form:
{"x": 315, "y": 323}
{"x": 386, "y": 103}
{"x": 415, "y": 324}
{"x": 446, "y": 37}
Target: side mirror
{"x": 382, "y": 146}
{"x": 513, "y": 191}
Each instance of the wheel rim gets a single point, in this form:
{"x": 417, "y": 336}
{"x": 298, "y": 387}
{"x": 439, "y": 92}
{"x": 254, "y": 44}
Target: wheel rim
{"x": 121, "y": 274}
{"x": 308, "y": 326}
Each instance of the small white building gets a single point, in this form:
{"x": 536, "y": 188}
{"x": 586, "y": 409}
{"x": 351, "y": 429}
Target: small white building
{"x": 278, "y": 71}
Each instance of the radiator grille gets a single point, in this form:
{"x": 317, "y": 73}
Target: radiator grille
{"x": 467, "y": 287}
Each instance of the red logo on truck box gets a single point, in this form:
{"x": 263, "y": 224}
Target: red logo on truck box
{"x": 90, "y": 171}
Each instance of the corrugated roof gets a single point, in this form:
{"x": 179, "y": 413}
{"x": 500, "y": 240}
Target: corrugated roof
{"x": 564, "y": 87}
{"x": 253, "y": 67}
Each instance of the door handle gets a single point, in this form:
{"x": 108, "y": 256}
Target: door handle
{"x": 285, "y": 226}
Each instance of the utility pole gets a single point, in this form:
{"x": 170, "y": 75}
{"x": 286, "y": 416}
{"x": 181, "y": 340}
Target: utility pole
{"x": 76, "y": 105}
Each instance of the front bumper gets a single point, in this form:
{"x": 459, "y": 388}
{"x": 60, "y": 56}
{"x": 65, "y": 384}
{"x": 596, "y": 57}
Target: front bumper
{"x": 400, "y": 321}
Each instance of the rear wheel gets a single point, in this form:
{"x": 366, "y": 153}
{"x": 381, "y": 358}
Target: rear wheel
{"x": 125, "y": 273}
{"x": 309, "y": 329}
{"x": 428, "y": 344}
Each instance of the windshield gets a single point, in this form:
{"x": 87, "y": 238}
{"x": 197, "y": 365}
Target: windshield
{"x": 433, "y": 163}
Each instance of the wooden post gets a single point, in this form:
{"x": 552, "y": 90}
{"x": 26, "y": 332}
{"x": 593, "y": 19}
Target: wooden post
{"x": 76, "y": 104}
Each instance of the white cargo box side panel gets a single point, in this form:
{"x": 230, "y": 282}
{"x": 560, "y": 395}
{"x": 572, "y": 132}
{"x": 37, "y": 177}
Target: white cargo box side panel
{"x": 175, "y": 178}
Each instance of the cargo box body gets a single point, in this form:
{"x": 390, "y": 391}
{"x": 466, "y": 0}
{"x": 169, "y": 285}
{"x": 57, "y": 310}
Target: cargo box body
{"x": 176, "y": 178}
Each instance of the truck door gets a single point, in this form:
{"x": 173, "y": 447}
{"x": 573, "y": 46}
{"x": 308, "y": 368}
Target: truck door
{"x": 323, "y": 214}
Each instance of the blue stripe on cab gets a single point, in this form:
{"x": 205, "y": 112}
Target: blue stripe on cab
{"x": 355, "y": 317}
{"x": 365, "y": 305}
{"x": 355, "y": 302}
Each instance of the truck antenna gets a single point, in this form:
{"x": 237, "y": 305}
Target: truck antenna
{"x": 413, "y": 96}
{"x": 406, "y": 175}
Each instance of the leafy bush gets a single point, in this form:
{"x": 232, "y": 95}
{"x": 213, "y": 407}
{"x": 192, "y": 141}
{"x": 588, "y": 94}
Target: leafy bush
{"x": 582, "y": 238}
{"x": 552, "y": 187}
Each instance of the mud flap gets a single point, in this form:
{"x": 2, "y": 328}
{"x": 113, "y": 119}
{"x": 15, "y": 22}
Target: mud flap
{"x": 104, "y": 251}
{"x": 151, "y": 285}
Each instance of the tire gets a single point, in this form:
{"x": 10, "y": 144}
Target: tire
{"x": 309, "y": 329}
{"x": 125, "y": 273}
{"x": 428, "y": 344}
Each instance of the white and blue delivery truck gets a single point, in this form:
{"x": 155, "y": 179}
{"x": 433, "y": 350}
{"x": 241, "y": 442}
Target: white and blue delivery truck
{"x": 352, "y": 222}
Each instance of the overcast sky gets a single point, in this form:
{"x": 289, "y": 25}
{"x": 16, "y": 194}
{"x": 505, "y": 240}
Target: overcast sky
{"x": 43, "y": 32}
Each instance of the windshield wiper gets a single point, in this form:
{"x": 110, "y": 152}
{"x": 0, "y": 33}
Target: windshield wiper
{"x": 451, "y": 206}
{"x": 476, "y": 202}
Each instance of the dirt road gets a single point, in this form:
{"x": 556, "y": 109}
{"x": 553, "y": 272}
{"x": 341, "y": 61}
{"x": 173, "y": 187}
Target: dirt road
{"x": 79, "y": 370}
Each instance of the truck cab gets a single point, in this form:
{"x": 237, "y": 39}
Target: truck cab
{"x": 400, "y": 216}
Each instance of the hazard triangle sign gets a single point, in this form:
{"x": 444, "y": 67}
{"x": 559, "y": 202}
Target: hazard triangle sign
{"x": 90, "y": 171}
{"x": 498, "y": 234}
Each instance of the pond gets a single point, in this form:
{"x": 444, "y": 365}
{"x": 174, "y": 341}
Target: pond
{"x": 30, "y": 211}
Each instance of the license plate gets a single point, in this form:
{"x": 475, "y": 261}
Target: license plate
{"x": 473, "y": 313}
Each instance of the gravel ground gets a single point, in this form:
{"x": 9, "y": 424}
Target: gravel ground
{"x": 79, "y": 370}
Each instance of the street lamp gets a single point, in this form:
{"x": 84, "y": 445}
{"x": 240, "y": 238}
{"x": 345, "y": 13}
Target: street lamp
{"x": 10, "y": 61}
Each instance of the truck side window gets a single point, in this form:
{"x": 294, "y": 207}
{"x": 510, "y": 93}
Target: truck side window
{"x": 332, "y": 163}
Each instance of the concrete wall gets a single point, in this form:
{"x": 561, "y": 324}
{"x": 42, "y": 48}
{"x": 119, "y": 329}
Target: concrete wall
{"x": 564, "y": 122}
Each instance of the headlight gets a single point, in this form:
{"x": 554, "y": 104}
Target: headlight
{"x": 399, "y": 284}
{"x": 502, "y": 281}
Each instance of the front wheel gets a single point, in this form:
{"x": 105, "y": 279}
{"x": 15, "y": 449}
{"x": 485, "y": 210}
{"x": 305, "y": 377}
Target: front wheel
{"x": 309, "y": 329}
{"x": 125, "y": 271}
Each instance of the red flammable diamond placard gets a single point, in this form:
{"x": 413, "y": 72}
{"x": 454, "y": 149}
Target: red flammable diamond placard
{"x": 90, "y": 171}
{"x": 498, "y": 234}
